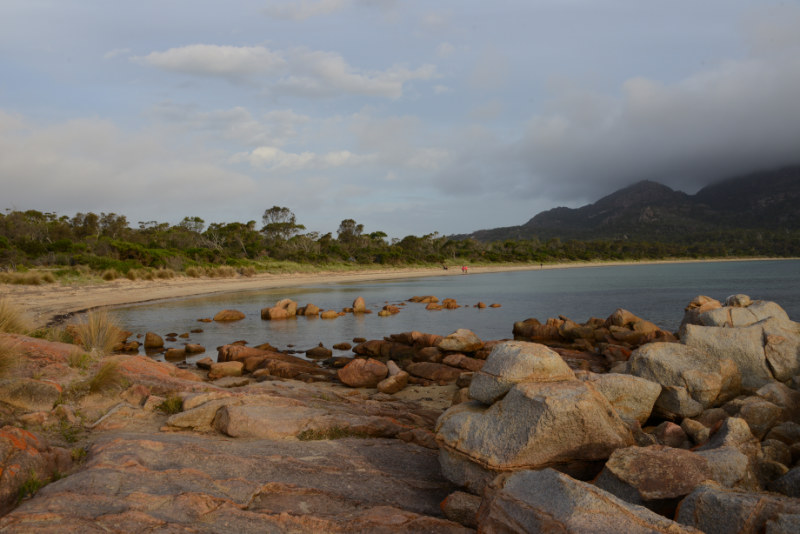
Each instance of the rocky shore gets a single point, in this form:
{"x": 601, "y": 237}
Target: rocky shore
{"x": 612, "y": 425}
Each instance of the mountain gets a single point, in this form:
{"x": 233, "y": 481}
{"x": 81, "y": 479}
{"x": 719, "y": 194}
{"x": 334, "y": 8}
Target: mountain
{"x": 768, "y": 200}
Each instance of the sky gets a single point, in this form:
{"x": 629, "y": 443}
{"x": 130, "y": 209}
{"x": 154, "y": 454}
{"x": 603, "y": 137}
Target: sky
{"x": 410, "y": 117}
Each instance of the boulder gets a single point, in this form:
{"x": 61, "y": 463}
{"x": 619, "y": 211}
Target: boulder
{"x": 709, "y": 381}
{"x": 462, "y": 340}
{"x": 536, "y": 425}
{"x": 309, "y": 310}
{"x": 632, "y": 397}
{"x": 745, "y": 346}
{"x": 463, "y": 362}
{"x": 675, "y": 403}
{"x": 319, "y": 353}
{"x": 713, "y": 509}
{"x": 513, "y": 362}
{"x": 274, "y": 314}
{"x": 228, "y": 316}
{"x": 654, "y": 476}
{"x": 329, "y": 314}
{"x": 730, "y": 468}
{"x": 462, "y": 508}
{"x": 153, "y": 341}
{"x": 174, "y": 354}
{"x": 359, "y": 305}
{"x": 436, "y": 372}
{"x": 393, "y": 383}
{"x": 549, "y": 501}
{"x": 760, "y": 414}
{"x": 28, "y": 394}
{"x": 788, "y": 484}
{"x": 363, "y": 373}
{"x": 218, "y": 370}
{"x": 194, "y": 348}
{"x": 289, "y": 305}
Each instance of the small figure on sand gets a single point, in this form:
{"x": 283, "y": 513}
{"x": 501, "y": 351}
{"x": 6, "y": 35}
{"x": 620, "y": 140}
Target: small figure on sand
{"x": 464, "y": 269}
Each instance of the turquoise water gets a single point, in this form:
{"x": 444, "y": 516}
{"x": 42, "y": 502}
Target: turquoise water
{"x": 654, "y": 292}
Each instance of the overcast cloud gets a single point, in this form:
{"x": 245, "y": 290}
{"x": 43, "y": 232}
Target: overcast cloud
{"x": 409, "y": 117}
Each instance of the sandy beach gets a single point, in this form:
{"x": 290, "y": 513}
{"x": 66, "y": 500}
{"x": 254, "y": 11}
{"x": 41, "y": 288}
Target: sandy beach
{"x": 46, "y": 303}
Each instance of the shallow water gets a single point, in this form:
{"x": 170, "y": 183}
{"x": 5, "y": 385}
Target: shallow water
{"x": 654, "y": 292}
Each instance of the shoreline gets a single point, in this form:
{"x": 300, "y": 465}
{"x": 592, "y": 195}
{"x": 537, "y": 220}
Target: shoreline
{"x": 47, "y": 304}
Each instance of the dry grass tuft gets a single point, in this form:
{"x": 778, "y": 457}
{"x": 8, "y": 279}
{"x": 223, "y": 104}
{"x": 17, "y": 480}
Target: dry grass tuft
{"x": 107, "y": 378}
{"x": 79, "y": 359}
{"x": 30, "y": 278}
{"x": 164, "y": 273}
{"x": 10, "y": 355}
{"x": 99, "y": 331}
{"x": 221, "y": 271}
{"x": 248, "y": 271}
{"x": 194, "y": 272}
{"x": 110, "y": 274}
{"x": 13, "y": 319}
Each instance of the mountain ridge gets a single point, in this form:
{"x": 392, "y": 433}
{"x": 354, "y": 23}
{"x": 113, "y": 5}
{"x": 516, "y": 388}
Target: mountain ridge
{"x": 648, "y": 210}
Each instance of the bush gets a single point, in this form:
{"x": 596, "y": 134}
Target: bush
{"x": 171, "y": 405}
{"x": 194, "y": 272}
{"x": 107, "y": 378}
{"x": 110, "y": 274}
{"x": 13, "y": 319}
{"x": 99, "y": 332}
{"x": 10, "y": 355}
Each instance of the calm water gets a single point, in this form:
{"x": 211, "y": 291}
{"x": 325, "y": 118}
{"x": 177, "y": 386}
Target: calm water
{"x": 654, "y": 292}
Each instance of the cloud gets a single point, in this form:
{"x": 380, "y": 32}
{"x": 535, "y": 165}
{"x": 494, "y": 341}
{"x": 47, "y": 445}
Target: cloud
{"x": 305, "y": 9}
{"x": 92, "y": 165}
{"x": 275, "y": 159}
{"x": 490, "y": 71}
{"x": 230, "y": 62}
{"x": 111, "y": 54}
{"x": 297, "y": 71}
{"x": 441, "y": 89}
{"x": 445, "y": 50}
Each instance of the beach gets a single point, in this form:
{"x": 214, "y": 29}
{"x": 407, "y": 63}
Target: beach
{"x": 48, "y": 303}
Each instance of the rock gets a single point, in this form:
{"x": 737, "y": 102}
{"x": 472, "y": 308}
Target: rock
{"x": 675, "y": 403}
{"x": 393, "y": 383}
{"x": 173, "y": 354}
{"x": 783, "y": 396}
{"x": 760, "y": 414}
{"x": 632, "y": 397}
{"x": 461, "y": 395}
{"x": 309, "y": 310}
{"x": 730, "y": 468}
{"x": 788, "y": 484}
{"x": 463, "y": 362}
{"x": 788, "y": 432}
{"x": 537, "y": 424}
{"x": 185, "y": 482}
{"x": 26, "y": 458}
{"x": 194, "y": 348}
{"x": 329, "y": 314}
{"x": 462, "y": 340}
{"x": 228, "y": 316}
{"x": 274, "y": 314}
{"x": 549, "y": 501}
{"x": 319, "y": 353}
{"x": 218, "y": 370}
{"x": 480, "y": 305}
{"x": 433, "y": 307}
{"x": 695, "y": 430}
{"x": 513, "y": 362}
{"x": 462, "y": 508}
{"x": 204, "y": 363}
{"x": 289, "y": 305}
{"x": 449, "y": 304}
{"x": 363, "y": 373}
{"x": 428, "y": 354}
{"x": 738, "y": 301}
{"x": 713, "y": 509}
{"x": 671, "y": 435}
{"x": 654, "y": 476}
{"x": 735, "y": 433}
{"x": 393, "y": 369}
{"x": 29, "y": 395}
{"x": 745, "y": 346}
{"x": 777, "y": 451}
{"x": 359, "y": 305}
{"x": 343, "y": 346}
{"x": 709, "y": 381}
{"x": 153, "y": 341}
{"x": 437, "y": 372}
{"x": 426, "y": 299}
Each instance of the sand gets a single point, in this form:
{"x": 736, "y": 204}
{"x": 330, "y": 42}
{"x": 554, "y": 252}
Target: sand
{"x": 48, "y": 303}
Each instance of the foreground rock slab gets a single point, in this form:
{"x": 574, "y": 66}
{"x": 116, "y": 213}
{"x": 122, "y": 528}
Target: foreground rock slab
{"x": 204, "y": 484}
{"x": 548, "y": 501}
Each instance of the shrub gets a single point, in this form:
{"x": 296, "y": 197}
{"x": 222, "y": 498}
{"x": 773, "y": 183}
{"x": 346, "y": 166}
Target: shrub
{"x": 132, "y": 275}
{"x": 13, "y": 319}
{"x": 194, "y": 272}
{"x": 248, "y": 271}
{"x": 10, "y": 354}
{"x": 171, "y": 405}
{"x": 110, "y": 274}
{"x": 99, "y": 331}
{"x": 107, "y": 378}
{"x": 79, "y": 359}
{"x": 164, "y": 273}
{"x": 30, "y": 486}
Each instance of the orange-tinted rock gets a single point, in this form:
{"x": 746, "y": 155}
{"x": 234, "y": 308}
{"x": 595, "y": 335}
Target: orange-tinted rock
{"x": 194, "y": 348}
{"x": 369, "y": 348}
{"x": 449, "y": 304}
{"x": 329, "y": 314}
{"x": 428, "y": 354}
{"x": 319, "y": 353}
{"x": 175, "y": 354}
{"x": 394, "y": 383}
{"x": 359, "y": 305}
{"x": 363, "y": 373}
{"x": 435, "y": 372}
{"x": 433, "y": 307}
{"x": 274, "y": 314}
{"x": 427, "y": 299}
{"x": 218, "y": 370}
{"x": 480, "y": 305}
{"x": 343, "y": 346}
{"x": 463, "y": 362}
{"x": 309, "y": 310}
{"x": 228, "y": 316}
{"x": 495, "y": 305}
{"x": 153, "y": 341}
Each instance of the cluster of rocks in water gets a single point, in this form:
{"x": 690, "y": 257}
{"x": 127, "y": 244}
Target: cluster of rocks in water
{"x": 612, "y": 425}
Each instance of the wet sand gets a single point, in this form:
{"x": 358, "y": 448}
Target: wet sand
{"x": 46, "y": 303}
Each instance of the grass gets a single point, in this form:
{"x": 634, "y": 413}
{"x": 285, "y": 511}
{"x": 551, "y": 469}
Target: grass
{"x": 99, "y": 331}
{"x": 110, "y": 274}
{"x": 79, "y": 359}
{"x": 193, "y": 272}
{"x": 30, "y": 278}
{"x": 13, "y": 319}
{"x": 107, "y": 378}
{"x": 10, "y": 355}
{"x": 78, "y": 454}
{"x": 171, "y": 405}
{"x": 71, "y": 433}
{"x": 53, "y": 333}
{"x": 31, "y": 486}
{"x": 334, "y": 432}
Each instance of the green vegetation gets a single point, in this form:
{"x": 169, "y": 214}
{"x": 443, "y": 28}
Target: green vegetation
{"x": 31, "y": 486}
{"x": 171, "y": 405}
{"x": 38, "y": 247}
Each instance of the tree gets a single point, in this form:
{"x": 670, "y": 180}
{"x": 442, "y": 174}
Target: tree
{"x": 349, "y": 231}
{"x": 193, "y": 224}
{"x": 280, "y": 224}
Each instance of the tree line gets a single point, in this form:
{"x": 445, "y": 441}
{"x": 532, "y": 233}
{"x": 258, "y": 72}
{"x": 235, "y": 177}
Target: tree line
{"x": 108, "y": 241}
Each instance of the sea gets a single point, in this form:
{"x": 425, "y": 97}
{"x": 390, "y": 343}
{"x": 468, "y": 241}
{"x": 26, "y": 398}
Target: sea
{"x": 656, "y": 292}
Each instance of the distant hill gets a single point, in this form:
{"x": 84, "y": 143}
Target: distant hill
{"x": 768, "y": 200}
